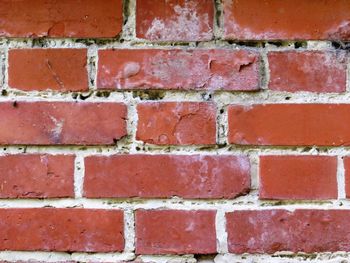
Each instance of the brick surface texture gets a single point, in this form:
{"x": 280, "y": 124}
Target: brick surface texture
{"x": 187, "y": 131}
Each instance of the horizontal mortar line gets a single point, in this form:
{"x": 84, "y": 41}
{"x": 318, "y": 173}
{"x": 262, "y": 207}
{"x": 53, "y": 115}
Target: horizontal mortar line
{"x": 217, "y": 96}
{"x": 168, "y": 258}
{"x": 53, "y": 256}
{"x": 289, "y": 255}
{"x": 129, "y": 148}
{"x": 241, "y": 203}
{"x": 137, "y": 42}
{"x": 12, "y": 256}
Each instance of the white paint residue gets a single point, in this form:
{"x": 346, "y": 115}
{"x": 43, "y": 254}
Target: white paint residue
{"x": 186, "y": 24}
{"x": 57, "y": 130}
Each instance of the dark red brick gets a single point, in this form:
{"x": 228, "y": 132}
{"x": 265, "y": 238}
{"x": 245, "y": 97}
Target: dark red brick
{"x": 313, "y": 71}
{"x": 43, "y": 69}
{"x": 290, "y": 124}
{"x": 175, "y": 20}
{"x": 36, "y": 176}
{"x": 164, "y": 176}
{"x": 200, "y": 69}
{"x": 177, "y": 123}
{"x": 298, "y": 177}
{"x": 53, "y": 123}
{"x": 55, "y": 229}
{"x": 287, "y": 19}
{"x": 64, "y": 18}
{"x": 269, "y": 231}
{"x": 175, "y": 232}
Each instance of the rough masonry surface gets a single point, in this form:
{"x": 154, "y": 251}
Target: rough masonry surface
{"x": 174, "y": 131}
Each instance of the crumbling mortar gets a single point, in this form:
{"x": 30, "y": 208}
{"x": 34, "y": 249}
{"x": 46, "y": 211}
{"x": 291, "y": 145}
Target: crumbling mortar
{"x": 108, "y": 43}
{"x": 128, "y": 145}
{"x": 254, "y": 170}
{"x": 108, "y": 150}
{"x": 91, "y": 65}
{"x": 2, "y": 67}
{"x": 79, "y": 170}
{"x": 244, "y": 202}
{"x": 219, "y": 96}
{"x": 264, "y": 70}
{"x": 129, "y": 17}
{"x": 341, "y": 177}
{"x": 218, "y": 20}
{"x": 348, "y": 75}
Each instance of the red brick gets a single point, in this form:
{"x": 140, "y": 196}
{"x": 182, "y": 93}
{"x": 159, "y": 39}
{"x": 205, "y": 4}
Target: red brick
{"x": 175, "y": 20}
{"x": 268, "y": 231}
{"x": 177, "y": 123}
{"x": 175, "y": 232}
{"x": 314, "y": 71}
{"x": 162, "y": 176}
{"x": 55, "y": 229}
{"x": 290, "y": 124}
{"x": 347, "y": 176}
{"x": 298, "y": 177}
{"x": 64, "y": 18}
{"x": 36, "y": 176}
{"x": 51, "y": 123}
{"x": 287, "y": 19}
{"x": 42, "y": 69}
{"x": 200, "y": 69}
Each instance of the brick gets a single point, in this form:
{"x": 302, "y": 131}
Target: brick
{"x": 268, "y": 231}
{"x": 290, "y": 124}
{"x": 175, "y": 232}
{"x": 164, "y": 176}
{"x": 313, "y": 71}
{"x": 55, "y": 229}
{"x": 177, "y": 123}
{"x": 200, "y": 69}
{"x": 298, "y": 177}
{"x": 64, "y": 18}
{"x": 65, "y": 123}
{"x": 43, "y": 69}
{"x": 347, "y": 176}
{"x": 36, "y": 176}
{"x": 175, "y": 20}
{"x": 287, "y": 19}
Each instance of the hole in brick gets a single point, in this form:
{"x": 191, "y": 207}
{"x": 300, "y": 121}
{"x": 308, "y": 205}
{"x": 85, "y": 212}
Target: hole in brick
{"x": 15, "y": 104}
{"x": 277, "y": 43}
{"x": 248, "y": 43}
{"x": 149, "y": 94}
{"x": 222, "y": 111}
{"x": 104, "y": 94}
{"x": 300, "y": 44}
{"x": 3, "y": 93}
{"x": 204, "y": 258}
{"x": 39, "y": 42}
{"x": 84, "y": 97}
{"x": 306, "y": 149}
{"x": 206, "y": 96}
{"x": 223, "y": 145}
{"x": 341, "y": 45}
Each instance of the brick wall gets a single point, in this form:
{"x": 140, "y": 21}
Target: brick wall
{"x": 174, "y": 131}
